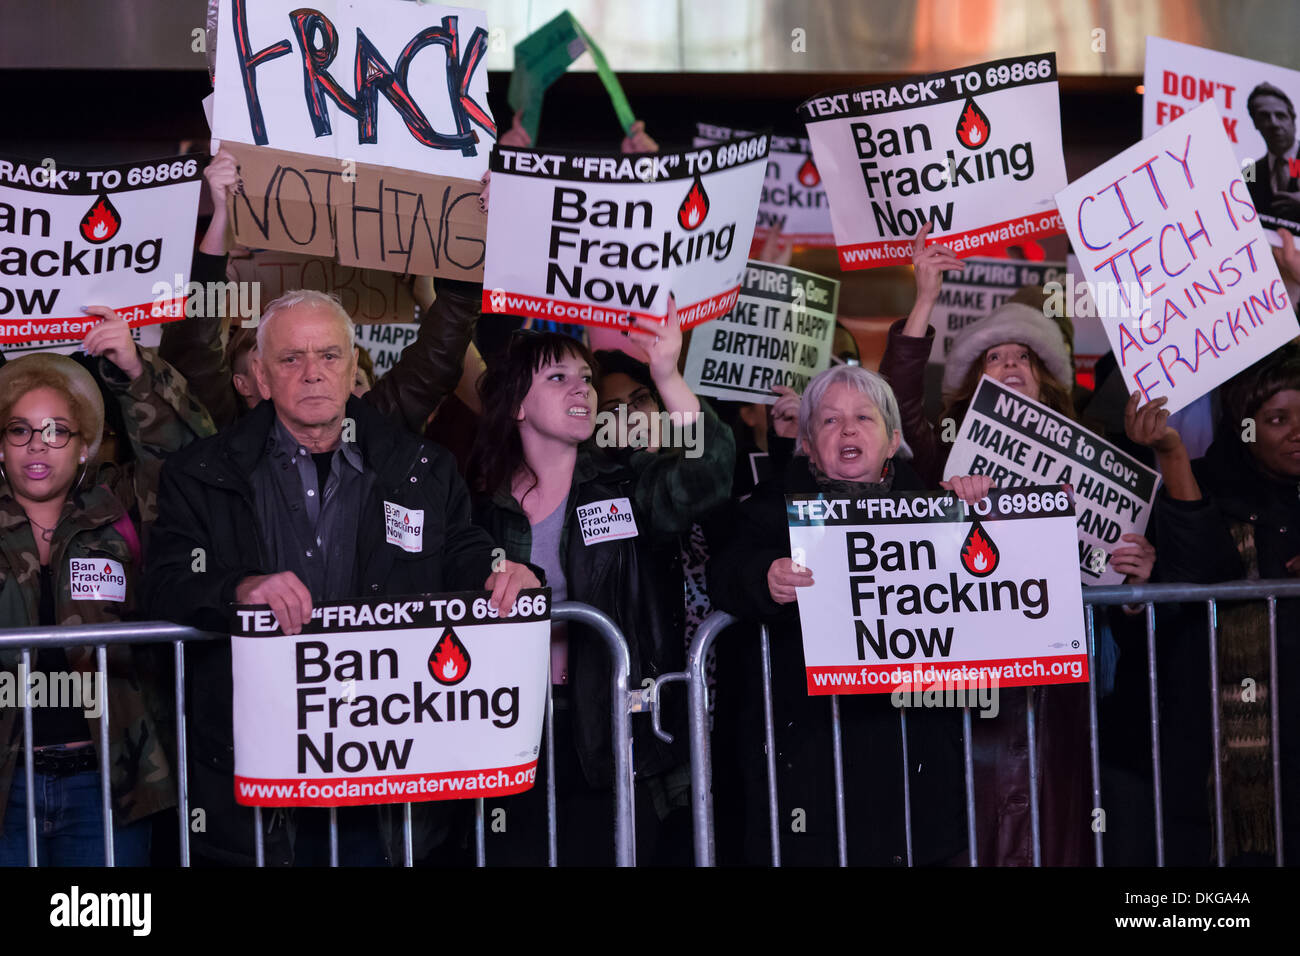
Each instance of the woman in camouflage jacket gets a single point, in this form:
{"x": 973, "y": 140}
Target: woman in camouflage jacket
{"x": 63, "y": 509}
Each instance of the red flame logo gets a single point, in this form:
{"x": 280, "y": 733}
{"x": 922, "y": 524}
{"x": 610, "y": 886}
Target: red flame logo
{"x": 613, "y": 509}
{"x": 101, "y": 223}
{"x": 406, "y": 519}
{"x": 449, "y": 662}
{"x": 979, "y": 554}
{"x": 694, "y": 207}
{"x": 808, "y": 175}
{"x": 973, "y": 127}
{"x": 108, "y": 569}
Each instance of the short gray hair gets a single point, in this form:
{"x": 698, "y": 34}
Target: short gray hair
{"x": 864, "y": 380}
{"x": 325, "y": 301}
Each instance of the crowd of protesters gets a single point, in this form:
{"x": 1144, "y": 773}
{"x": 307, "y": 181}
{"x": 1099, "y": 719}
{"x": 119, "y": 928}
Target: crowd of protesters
{"x": 217, "y": 470}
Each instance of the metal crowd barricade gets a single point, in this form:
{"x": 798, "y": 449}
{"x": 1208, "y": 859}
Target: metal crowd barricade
{"x": 1147, "y": 595}
{"x": 625, "y": 703}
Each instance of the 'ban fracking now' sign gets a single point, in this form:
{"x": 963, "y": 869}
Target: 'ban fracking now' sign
{"x": 919, "y": 588}
{"x": 976, "y": 151}
{"x": 1019, "y": 442}
{"x": 590, "y": 238}
{"x": 1179, "y": 77}
{"x": 1169, "y": 227}
{"x": 793, "y": 194}
{"x": 779, "y": 333}
{"x": 86, "y": 235}
{"x": 390, "y": 700}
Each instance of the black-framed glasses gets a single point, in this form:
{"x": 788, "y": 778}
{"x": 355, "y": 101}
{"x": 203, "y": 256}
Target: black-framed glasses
{"x": 19, "y": 434}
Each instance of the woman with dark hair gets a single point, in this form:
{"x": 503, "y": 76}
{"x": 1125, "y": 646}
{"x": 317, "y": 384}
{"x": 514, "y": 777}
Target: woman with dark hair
{"x": 1234, "y": 514}
{"x": 70, "y": 554}
{"x": 604, "y": 526}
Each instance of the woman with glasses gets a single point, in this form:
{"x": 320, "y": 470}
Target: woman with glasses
{"x": 602, "y": 518}
{"x": 69, "y": 555}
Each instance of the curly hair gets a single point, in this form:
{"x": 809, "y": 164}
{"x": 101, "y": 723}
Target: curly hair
{"x": 498, "y": 453}
{"x": 48, "y": 370}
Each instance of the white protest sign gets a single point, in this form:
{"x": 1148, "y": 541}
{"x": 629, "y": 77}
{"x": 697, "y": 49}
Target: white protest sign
{"x": 792, "y": 190}
{"x": 385, "y": 342}
{"x": 1017, "y": 442}
{"x": 1090, "y": 342}
{"x": 146, "y": 336}
{"x": 1179, "y": 77}
{"x": 976, "y": 151}
{"x": 922, "y": 588}
{"x": 779, "y": 333}
{"x": 1171, "y": 219}
{"x": 590, "y": 238}
{"x": 390, "y": 700}
{"x": 81, "y": 235}
{"x": 380, "y": 82}
{"x": 972, "y": 293}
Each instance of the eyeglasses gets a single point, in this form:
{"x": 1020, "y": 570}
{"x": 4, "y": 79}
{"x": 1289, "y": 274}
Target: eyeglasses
{"x": 19, "y": 434}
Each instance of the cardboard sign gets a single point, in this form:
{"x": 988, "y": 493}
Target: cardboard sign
{"x": 969, "y": 295}
{"x": 976, "y": 151}
{"x": 367, "y": 296}
{"x": 920, "y": 588}
{"x": 792, "y": 190}
{"x": 542, "y": 57}
{"x": 1018, "y": 442}
{"x": 1182, "y": 275}
{"x": 1180, "y": 77}
{"x": 381, "y": 83}
{"x": 779, "y": 333}
{"x": 93, "y": 235}
{"x": 589, "y": 238}
{"x": 390, "y": 700}
{"x": 374, "y": 217}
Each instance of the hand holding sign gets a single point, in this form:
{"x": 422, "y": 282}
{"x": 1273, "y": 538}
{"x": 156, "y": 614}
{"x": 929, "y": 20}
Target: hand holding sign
{"x": 1149, "y": 425}
{"x": 783, "y": 576}
{"x": 506, "y": 584}
{"x": 969, "y": 488}
{"x": 1288, "y": 257}
{"x": 1134, "y": 562}
{"x": 287, "y": 596}
{"x": 638, "y": 140}
{"x": 929, "y": 264}
{"x": 111, "y": 338}
{"x": 785, "y": 413}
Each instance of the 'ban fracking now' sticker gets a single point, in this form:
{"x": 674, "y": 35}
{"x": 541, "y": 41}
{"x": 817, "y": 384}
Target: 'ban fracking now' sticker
{"x": 97, "y": 579}
{"x": 606, "y": 520}
{"x": 403, "y": 527}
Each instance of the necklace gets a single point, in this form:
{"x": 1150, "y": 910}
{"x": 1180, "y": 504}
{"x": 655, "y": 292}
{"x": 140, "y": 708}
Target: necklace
{"x": 47, "y": 534}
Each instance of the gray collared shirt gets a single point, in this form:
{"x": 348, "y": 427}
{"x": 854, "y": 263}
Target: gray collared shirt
{"x": 308, "y": 530}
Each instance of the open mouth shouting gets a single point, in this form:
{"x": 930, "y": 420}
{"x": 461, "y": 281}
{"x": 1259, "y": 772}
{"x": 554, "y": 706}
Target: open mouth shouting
{"x": 579, "y": 411}
{"x": 850, "y": 453}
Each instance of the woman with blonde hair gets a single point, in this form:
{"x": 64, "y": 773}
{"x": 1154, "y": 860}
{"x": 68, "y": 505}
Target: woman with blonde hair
{"x": 70, "y": 555}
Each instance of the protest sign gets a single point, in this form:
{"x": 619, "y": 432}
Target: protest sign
{"x": 1076, "y": 302}
{"x": 318, "y": 81}
{"x": 146, "y": 336}
{"x": 385, "y": 343}
{"x": 375, "y": 217}
{"x": 589, "y": 238}
{"x": 792, "y": 190}
{"x": 921, "y": 588}
{"x": 1017, "y": 441}
{"x": 93, "y": 235}
{"x": 778, "y": 333}
{"x": 972, "y": 293}
{"x": 389, "y": 700}
{"x": 976, "y": 151}
{"x": 1181, "y": 273}
{"x": 542, "y": 57}
{"x": 367, "y": 296}
{"x": 1179, "y": 77}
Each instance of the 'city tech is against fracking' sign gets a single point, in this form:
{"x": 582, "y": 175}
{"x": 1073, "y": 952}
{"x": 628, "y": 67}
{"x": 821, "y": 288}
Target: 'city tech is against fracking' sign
{"x": 381, "y": 82}
{"x": 589, "y": 238}
{"x": 93, "y": 235}
{"x": 1179, "y": 77}
{"x": 1017, "y": 442}
{"x": 970, "y": 294}
{"x": 976, "y": 151}
{"x": 779, "y": 333}
{"x": 390, "y": 700}
{"x": 921, "y": 588}
{"x": 1172, "y": 213}
{"x": 792, "y": 190}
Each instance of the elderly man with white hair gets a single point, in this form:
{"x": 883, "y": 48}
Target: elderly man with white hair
{"x": 286, "y": 507}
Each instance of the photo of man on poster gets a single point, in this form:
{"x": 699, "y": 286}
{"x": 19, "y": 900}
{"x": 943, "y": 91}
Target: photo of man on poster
{"x": 1274, "y": 187}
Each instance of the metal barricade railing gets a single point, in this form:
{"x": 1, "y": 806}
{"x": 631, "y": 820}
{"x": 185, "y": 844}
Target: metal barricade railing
{"x": 625, "y": 702}
{"x": 1147, "y": 595}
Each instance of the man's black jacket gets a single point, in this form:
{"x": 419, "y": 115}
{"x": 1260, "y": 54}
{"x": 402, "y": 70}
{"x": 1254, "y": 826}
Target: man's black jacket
{"x": 206, "y": 541}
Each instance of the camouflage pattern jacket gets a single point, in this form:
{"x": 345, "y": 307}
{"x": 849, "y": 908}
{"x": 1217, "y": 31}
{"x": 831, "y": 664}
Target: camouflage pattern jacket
{"x": 161, "y": 417}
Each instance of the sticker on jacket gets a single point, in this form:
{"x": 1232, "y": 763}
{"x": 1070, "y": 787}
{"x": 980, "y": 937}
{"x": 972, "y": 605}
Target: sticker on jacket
{"x": 403, "y": 527}
{"x": 606, "y": 520}
{"x": 97, "y": 579}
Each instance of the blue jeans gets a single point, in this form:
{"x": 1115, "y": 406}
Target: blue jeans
{"x": 69, "y": 824}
